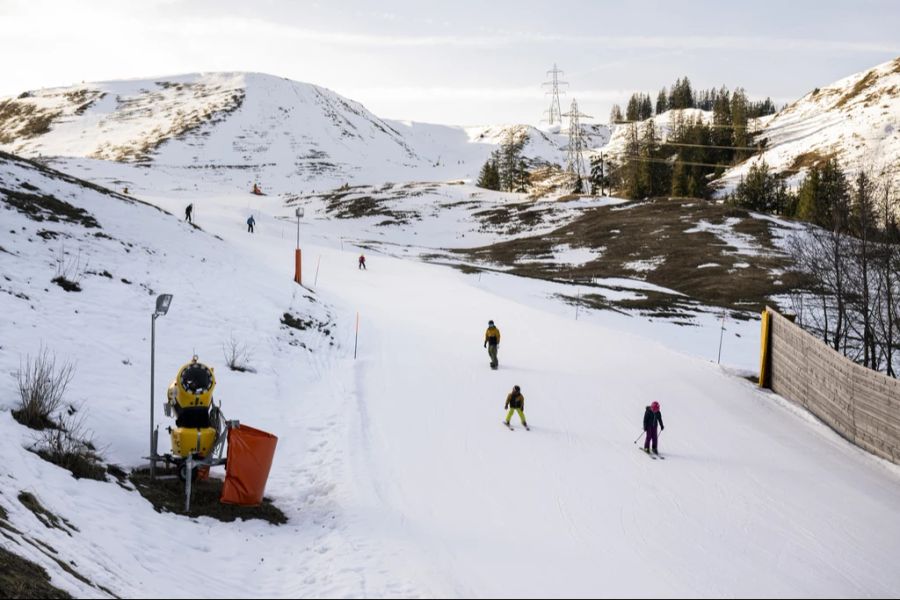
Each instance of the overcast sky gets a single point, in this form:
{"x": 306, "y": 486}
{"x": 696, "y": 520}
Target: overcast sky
{"x": 459, "y": 62}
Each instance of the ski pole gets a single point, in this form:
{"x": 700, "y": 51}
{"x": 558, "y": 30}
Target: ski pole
{"x": 637, "y": 438}
{"x": 356, "y": 340}
{"x": 721, "y": 335}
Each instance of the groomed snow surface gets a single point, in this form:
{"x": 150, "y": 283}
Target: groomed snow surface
{"x": 395, "y": 471}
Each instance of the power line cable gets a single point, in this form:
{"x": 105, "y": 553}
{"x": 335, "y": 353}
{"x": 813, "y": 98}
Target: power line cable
{"x": 668, "y": 161}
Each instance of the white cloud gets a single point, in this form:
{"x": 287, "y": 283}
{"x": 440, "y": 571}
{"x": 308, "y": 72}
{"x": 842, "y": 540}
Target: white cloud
{"x": 33, "y": 21}
{"x": 396, "y": 62}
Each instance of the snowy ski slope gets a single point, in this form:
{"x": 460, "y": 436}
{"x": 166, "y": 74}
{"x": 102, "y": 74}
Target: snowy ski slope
{"x": 395, "y": 471}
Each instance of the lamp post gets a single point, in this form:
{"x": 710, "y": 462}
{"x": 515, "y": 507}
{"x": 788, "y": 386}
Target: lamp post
{"x": 162, "y": 307}
{"x": 297, "y": 255}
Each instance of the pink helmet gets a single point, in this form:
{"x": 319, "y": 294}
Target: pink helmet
{"x": 654, "y": 406}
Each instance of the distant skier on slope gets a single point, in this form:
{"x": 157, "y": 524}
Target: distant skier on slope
{"x": 251, "y": 222}
{"x": 362, "y": 262}
{"x": 188, "y": 212}
{"x": 256, "y": 190}
{"x": 652, "y": 417}
{"x": 515, "y": 402}
{"x": 492, "y": 342}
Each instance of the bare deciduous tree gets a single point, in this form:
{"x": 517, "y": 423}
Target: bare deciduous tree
{"x": 853, "y": 302}
{"x": 42, "y": 385}
{"x": 71, "y": 446}
{"x": 237, "y": 355}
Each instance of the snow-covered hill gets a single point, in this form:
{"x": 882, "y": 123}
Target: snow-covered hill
{"x": 240, "y": 120}
{"x": 856, "y": 119}
{"x": 542, "y": 145}
{"x": 282, "y": 132}
{"x": 271, "y": 128}
{"x": 663, "y": 123}
{"x": 122, "y": 253}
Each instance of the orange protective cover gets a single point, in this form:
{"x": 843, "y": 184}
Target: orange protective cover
{"x": 250, "y": 454}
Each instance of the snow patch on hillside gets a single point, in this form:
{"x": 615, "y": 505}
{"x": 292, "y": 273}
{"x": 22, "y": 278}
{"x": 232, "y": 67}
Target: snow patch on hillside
{"x": 856, "y": 119}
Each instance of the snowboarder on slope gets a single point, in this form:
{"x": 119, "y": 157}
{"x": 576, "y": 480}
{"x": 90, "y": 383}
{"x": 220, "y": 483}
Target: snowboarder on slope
{"x": 515, "y": 402}
{"x": 492, "y": 342}
{"x": 250, "y": 223}
{"x": 652, "y": 417}
{"x": 188, "y": 212}
{"x": 362, "y": 262}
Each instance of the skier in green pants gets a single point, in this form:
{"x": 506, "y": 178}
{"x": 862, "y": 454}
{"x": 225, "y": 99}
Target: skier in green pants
{"x": 515, "y": 402}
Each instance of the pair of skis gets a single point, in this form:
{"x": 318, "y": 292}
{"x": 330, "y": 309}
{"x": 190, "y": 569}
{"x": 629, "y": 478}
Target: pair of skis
{"x": 511, "y": 428}
{"x": 652, "y": 455}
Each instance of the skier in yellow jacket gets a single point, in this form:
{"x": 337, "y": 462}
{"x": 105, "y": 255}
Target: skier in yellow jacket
{"x": 515, "y": 402}
{"x": 492, "y": 342}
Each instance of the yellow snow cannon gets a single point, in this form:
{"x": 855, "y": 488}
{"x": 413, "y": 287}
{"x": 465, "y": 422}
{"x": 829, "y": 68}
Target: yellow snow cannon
{"x": 190, "y": 401}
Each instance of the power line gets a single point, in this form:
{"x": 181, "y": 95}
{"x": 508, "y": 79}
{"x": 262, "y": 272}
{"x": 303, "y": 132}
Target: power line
{"x": 667, "y": 161}
{"x": 754, "y": 148}
{"x": 555, "y": 112}
{"x": 576, "y": 141}
{"x": 686, "y": 124}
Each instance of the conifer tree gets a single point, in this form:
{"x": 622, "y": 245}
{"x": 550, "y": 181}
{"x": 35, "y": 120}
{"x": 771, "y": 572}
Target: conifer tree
{"x": 759, "y": 190}
{"x": 615, "y": 115}
{"x": 489, "y": 177}
{"x": 823, "y": 198}
{"x": 579, "y": 186}
{"x": 679, "y": 180}
{"x": 631, "y": 167}
{"x": 521, "y": 178}
{"x": 739, "y": 118}
{"x": 597, "y": 179}
{"x": 654, "y": 176}
{"x": 808, "y": 197}
{"x": 662, "y": 102}
{"x": 646, "y": 107}
{"x": 864, "y": 214}
{"x": 633, "y": 110}
{"x": 511, "y": 167}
